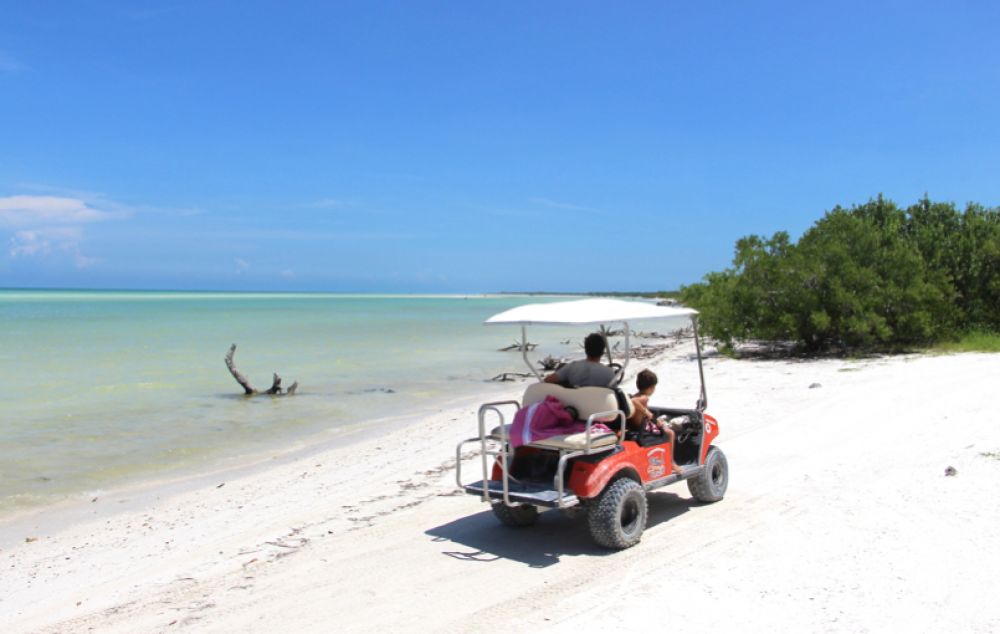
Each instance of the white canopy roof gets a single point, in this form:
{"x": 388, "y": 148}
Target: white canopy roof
{"x": 586, "y": 311}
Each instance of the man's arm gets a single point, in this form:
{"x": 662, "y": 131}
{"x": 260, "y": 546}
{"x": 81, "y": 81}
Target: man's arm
{"x": 552, "y": 378}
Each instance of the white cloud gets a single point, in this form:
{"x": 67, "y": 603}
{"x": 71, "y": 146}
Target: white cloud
{"x": 241, "y": 265}
{"x": 50, "y": 240}
{"x": 19, "y": 211}
{"x": 288, "y": 274}
{"x": 112, "y": 209}
{"x": 52, "y": 226}
{"x": 29, "y": 243}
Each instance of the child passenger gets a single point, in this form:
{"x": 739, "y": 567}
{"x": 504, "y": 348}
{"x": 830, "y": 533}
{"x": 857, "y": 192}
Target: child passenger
{"x": 643, "y": 419}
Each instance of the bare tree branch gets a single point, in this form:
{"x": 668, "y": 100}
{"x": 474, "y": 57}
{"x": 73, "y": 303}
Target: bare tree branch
{"x": 550, "y": 363}
{"x": 242, "y": 380}
{"x": 275, "y": 385}
{"x": 517, "y": 345}
{"x": 250, "y": 390}
{"x": 512, "y": 376}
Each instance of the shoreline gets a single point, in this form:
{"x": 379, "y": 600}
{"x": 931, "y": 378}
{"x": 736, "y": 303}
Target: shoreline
{"x": 101, "y": 393}
{"x": 143, "y": 490}
{"x": 304, "y": 543}
{"x": 249, "y": 458}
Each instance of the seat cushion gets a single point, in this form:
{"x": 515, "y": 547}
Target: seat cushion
{"x": 585, "y": 400}
{"x": 577, "y": 441}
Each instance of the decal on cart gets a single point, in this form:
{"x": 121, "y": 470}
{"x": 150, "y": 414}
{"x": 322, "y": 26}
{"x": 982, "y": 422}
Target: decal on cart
{"x": 657, "y": 463}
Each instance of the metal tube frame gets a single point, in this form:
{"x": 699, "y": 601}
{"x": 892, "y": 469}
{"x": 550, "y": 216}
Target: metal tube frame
{"x": 702, "y": 404}
{"x": 524, "y": 353}
{"x": 502, "y": 453}
{"x": 565, "y": 456}
{"x": 628, "y": 353}
{"x": 485, "y": 452}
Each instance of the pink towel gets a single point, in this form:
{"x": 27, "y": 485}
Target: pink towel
{"x": 545, "y": 419}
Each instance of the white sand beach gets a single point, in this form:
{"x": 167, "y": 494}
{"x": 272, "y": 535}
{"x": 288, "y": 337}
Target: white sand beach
{"x": 839, "y": 518}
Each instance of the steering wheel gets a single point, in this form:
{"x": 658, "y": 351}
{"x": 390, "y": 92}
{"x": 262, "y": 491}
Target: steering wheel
{"x": 683, "y": 435}
{"x": 618, "y": 370}
{"x": 687, "y": 430}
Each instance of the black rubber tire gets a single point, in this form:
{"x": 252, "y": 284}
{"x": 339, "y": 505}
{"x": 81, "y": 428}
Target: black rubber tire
{"x": 618, "y": 515}
{"x": 710, "y": 485}
{"x": 516, "y": 516}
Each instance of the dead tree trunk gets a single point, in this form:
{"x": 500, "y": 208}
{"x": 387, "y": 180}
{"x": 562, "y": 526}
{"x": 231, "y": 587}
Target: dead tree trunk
{"x": 517, "y": 345}
{"x": 511, "y": 376}
{"x": 551, "y": 363}
{"x": 249, "y": 389}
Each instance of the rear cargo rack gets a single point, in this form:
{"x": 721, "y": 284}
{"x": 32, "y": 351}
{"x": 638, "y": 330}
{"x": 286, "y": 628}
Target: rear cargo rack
{"x": 496, "y": 445}
{"x": 521, "y": 493}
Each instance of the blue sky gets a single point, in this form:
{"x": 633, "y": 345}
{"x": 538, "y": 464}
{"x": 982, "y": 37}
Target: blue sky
{"x": 469, "y": 146}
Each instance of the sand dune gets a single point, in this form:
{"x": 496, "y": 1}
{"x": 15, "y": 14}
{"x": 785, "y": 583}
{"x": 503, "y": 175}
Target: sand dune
{"x": 839, "y": 517}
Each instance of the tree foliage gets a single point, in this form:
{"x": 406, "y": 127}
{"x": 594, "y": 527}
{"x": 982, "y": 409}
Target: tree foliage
{"x": 870, "y": 277}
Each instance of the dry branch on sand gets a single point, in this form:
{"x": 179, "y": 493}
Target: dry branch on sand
{"x": 250, "y": 390}
{"x": 649, "y": 350}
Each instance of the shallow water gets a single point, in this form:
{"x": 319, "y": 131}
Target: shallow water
{"x": 102, "y": 387}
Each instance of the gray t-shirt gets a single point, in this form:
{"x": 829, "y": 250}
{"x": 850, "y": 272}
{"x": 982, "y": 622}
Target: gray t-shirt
{"x": 586, "y": 373}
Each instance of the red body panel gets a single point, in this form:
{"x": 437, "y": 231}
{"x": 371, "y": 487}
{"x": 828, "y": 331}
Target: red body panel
{"x": 588, "y": 479}
{"x": 644, "y": 464}
{"x": 711, "y": 431}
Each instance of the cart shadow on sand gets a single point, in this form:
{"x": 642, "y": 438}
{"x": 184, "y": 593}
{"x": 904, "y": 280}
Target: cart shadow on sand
{"x": 544, "y": 544}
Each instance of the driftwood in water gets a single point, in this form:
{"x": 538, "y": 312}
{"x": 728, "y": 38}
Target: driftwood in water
{"x": 250, "y": 390}
{"x": 512, "y": 376}
{"x": 551, "y": 363}
{"x": 653, "y": 334}
{"x": 518, "y": 346}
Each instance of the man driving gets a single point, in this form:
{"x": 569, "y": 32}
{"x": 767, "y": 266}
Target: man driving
{"x": 589, "y": 372}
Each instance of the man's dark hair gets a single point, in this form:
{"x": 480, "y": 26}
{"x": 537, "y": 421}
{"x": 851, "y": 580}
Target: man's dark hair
{"x": 645, "y": 379}
{"x": 594, "y": 345}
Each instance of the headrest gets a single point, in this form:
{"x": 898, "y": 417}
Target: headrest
{"x": 585, "y": 400}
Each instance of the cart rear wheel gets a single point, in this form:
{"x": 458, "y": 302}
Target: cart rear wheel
{"x": 618, "y": 516}
{"x": 710, "y": 485}
{"x": 517, "y": 516}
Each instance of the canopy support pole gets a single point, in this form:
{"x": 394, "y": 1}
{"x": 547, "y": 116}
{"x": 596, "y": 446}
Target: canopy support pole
{"x": 703, "y": 398}
{"x": 524, "y": 352}
{"x": 628, "y": 349}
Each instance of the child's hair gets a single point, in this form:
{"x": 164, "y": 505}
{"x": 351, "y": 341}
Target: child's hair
{"x": 645, "y": 379}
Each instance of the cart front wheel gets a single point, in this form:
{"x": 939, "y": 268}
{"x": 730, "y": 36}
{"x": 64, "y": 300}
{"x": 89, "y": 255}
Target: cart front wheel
{"x": 710, "y": 485}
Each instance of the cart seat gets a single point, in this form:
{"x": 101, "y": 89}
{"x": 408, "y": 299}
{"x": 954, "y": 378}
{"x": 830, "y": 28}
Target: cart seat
{"x": 577, "y": 441}
{"x": 585, "y": 400}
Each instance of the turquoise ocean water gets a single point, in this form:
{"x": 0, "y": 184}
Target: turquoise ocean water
{"x": 98, "y": 388}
